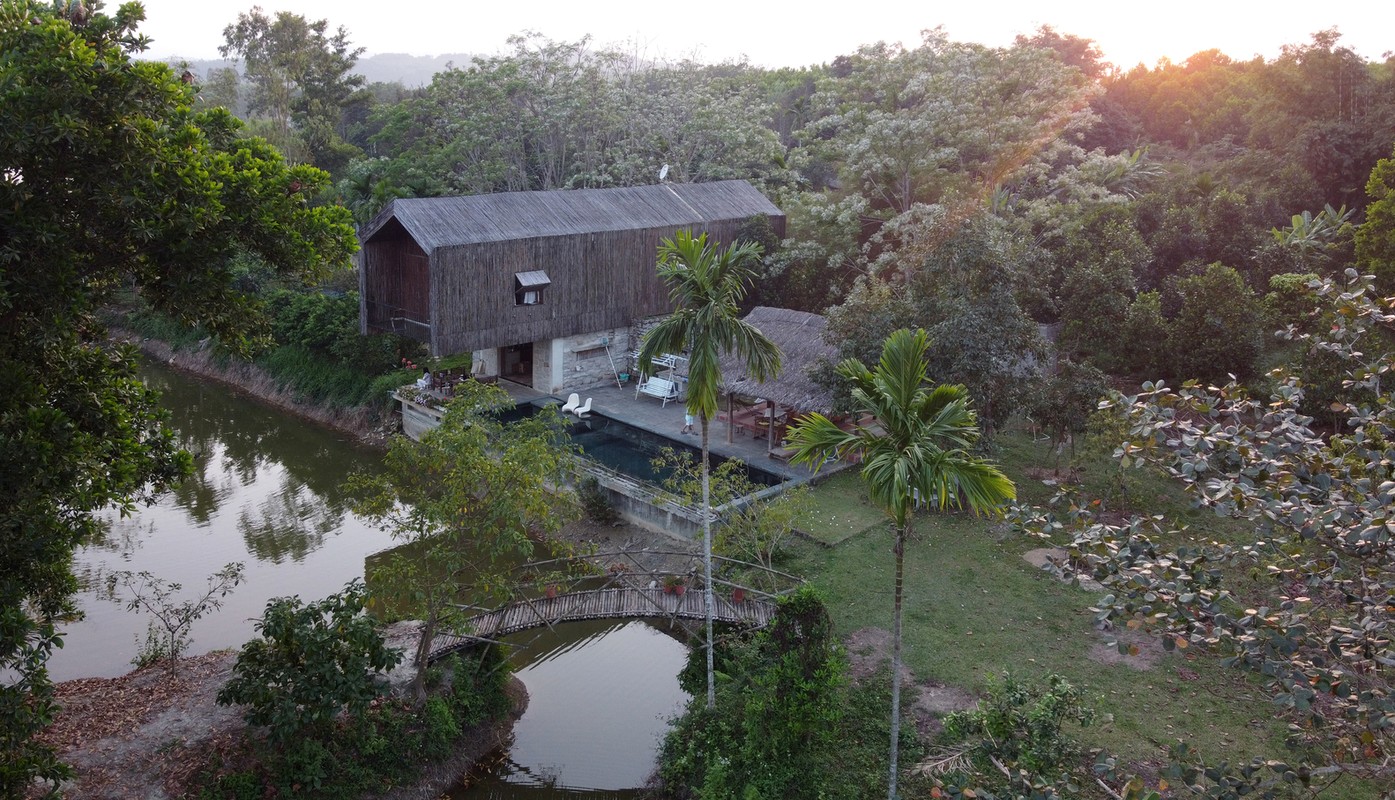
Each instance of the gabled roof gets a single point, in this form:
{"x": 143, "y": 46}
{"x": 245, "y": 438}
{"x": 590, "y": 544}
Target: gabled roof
{"x": 448, "y": 221}
{"x": 799, "y": 335}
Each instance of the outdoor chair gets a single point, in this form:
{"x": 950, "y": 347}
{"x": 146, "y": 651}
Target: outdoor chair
{"x": 573, "y": 400}
{"x": 661, "y": 388}
{"x": 584, "y": 410}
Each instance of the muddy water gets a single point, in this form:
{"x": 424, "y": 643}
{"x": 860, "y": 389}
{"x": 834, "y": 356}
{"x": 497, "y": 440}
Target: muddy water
{"x": 266, "y": 492}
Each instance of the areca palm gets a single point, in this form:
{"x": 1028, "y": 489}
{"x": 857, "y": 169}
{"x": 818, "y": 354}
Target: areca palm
{"x": 918, "y": 447}
{"x": 705, "y": 285}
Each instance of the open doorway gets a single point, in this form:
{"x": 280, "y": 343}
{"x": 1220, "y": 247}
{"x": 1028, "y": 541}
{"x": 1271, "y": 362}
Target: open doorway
{"x": 516, "y": 363}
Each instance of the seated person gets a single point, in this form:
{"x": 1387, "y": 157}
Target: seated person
{"x": 425, "y": 381}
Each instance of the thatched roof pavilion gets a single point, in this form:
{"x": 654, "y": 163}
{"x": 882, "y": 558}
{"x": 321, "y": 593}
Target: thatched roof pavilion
{"x": 799, "y": 335}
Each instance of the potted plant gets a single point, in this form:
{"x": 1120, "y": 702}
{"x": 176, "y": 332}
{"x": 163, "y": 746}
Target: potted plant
{"x": 673, "y": 584}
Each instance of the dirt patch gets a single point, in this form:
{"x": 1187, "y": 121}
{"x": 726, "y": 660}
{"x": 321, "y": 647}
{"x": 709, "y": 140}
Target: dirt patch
{"x": 644, "y": 551}
{"x": 1145, "y": 650}
{"x": 1052, "y": 476}
{"x": 1046, "y": 558}
{"x": 127, "y": 736}
{"x": 870, "y": 648}
{"x": 147, "y": 733}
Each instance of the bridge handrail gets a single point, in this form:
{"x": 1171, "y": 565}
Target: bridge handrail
{"x": 630, "y": 554}
{"x": 574, "y": 606}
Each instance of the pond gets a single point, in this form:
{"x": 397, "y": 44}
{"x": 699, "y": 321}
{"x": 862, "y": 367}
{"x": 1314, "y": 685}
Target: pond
{"x": 266, "y": 492}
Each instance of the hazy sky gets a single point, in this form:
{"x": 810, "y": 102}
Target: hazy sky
{"x": 795, "y": 34}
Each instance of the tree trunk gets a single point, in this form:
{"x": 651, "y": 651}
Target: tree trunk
{"x": 428, "y": 635}
{"x": 707, "y": 600}
{"x": 900, "y": 551}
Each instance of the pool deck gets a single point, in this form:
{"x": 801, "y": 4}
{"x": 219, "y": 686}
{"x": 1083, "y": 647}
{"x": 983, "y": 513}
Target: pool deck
{"x": 650, "y": 414}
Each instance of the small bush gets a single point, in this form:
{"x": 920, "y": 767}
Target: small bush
{"x": 440, "y": 728}
{"x": 595, "y": 502}
{"x": 786, "y": 723}
{"x": 1022, "y": 727}
{"x": 312, "y": 662}
{"x": 478, "y": 685}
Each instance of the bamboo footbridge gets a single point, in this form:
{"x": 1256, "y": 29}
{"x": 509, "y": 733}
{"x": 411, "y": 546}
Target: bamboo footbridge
{"x": 624, "y": 596}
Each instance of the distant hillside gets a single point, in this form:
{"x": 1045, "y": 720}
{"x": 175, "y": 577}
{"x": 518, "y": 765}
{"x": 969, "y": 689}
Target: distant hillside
{"x": 410, "y": 71}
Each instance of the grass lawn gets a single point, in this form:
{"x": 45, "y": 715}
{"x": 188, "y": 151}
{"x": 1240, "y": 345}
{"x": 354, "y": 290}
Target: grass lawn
{"x": 974, "y": 608}
{"x": 840, "y": 509}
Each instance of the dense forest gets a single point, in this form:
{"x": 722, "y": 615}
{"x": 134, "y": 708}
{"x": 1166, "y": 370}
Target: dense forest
{"x": 1027, "y": 206}
{"x": 1157, "y": 222}
{"x": 1056, "y": 225}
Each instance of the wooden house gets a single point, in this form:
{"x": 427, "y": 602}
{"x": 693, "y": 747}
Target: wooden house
{"x": 542, "y": 287}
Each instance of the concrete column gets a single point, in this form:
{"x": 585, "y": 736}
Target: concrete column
{"x": 556, "y": 360}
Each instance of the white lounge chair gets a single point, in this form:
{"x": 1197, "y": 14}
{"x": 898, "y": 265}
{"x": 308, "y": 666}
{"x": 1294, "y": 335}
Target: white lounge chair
{"x": 573, "y": 400}
{"x": 583, "y": 410}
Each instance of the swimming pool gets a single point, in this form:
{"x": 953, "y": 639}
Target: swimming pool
{"x": 630, "y": 450}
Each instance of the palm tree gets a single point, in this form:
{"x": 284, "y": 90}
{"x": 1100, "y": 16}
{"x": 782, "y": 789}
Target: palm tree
{"x": 918, "y": 447}
{"x": 705, "y": 285}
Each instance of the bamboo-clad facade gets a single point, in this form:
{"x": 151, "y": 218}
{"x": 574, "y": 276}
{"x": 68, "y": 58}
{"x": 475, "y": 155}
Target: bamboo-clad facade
{"x": 543, "y": 287}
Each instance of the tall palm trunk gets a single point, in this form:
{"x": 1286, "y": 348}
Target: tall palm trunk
{"x": 707, "y": 599}
{"x": 899, "y": 549}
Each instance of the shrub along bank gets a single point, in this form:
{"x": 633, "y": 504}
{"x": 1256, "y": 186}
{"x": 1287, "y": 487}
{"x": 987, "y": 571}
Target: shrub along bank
{"x": 315, "y": 350}
{"x": 319, "y": 726}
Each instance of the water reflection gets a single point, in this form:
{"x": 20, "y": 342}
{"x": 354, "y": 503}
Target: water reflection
{"x": 290, "y": 523}
{"x": 266, "y": 491}
{"x": 601, "y": 695}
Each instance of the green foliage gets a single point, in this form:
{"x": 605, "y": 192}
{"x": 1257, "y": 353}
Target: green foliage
{"x": 152, "y": 325}
{"x": 473, "y": 497}
{"x": 760, "y": 530}
{"x": 318, "y": 379}
{"x": 478, "y": 683}
{"x": 1291, "y": 301}
{"x": 1021, "y": 726}
{"x": 378, "y": 748}
{"x": 754, "y": 530}
{"x": 313, "y": 662}
{"x": 1144, "y": 327}
{"x": 441, "y": 728}
{"x": 1218, "y": 329}
{"x": 112, "y": 180}
{"x": 1375, "y": 238}
{"x": 1067, "y": 400}
{"x": 300, "y": 77}
{"x": 918, "y": 451}
{"x": 1099, "y": 253}
{"x": 776, "y": 728}
{"x": 595, "y": 502}
{"x": 1308, "y": 623}
{"x": 580, "y": 117}
{"x": 158, "y": 598}
{"x": 956, "y": 280}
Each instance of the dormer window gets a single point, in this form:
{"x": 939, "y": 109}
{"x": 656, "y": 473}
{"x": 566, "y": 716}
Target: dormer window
{"x": 528, "y": 287}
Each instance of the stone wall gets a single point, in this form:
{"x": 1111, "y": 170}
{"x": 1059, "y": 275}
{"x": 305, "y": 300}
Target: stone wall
{"x": 585, "y": 362}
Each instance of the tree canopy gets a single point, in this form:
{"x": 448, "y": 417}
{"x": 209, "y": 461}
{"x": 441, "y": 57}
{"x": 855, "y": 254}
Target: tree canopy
{"x": 110, "y": 181}
{"x": 300, "y": 78}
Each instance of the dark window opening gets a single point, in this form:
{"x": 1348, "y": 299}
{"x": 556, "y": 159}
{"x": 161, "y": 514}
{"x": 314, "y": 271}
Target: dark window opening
{"x": 528, "y": 287}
